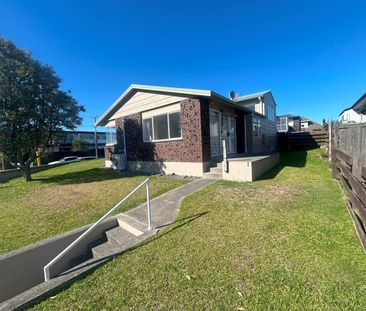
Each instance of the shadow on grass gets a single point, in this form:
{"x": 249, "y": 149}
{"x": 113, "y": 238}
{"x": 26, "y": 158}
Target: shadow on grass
{"x": 91, "y": 175}
{"x": 287, "y": 159}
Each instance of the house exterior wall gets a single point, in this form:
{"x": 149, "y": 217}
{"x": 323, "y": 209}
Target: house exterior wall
{"x": 267, "y": 140}
{"x": 165, "y": 156}
{"x": 351, "y": 116}
{"x": 241, "y": 131}
{"x": 143, "y": 101}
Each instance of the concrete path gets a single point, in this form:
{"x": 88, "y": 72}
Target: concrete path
{"x": 164, "y": 211}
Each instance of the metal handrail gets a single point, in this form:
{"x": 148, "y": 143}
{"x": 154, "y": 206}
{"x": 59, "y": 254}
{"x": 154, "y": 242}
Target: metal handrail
{"x": 46, "y": 269}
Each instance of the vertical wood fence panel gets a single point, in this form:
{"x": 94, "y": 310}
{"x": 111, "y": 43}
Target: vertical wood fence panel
{"x": 348, "y": 156}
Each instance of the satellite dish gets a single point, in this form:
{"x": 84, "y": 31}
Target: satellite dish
{"x": 233, "y": 95}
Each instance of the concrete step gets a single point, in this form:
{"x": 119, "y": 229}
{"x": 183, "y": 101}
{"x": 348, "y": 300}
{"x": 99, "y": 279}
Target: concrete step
{"x": 216, "y": 164}
{"x": 118, "y": 236}
{"x": 108, "y": 249}
{"x": 216, "y": 170}
{"x": 210, "y": 175}
{"x": 104, "y": 250}
{"x": 132, "y": 225}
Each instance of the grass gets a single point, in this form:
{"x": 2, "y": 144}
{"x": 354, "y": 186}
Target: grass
{"x": 64, "y": 198}
{"x": 283, "y": 243}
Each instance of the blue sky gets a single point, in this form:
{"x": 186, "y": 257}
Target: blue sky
{"x": 310, "y": 54}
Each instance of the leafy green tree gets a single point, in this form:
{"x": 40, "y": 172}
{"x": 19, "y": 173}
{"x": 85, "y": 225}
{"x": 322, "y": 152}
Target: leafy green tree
{"x": 33, "y": 109}
{"x": 79, "y": 145}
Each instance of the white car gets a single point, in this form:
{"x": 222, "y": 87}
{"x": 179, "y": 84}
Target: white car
{"x": 66, "y": 160}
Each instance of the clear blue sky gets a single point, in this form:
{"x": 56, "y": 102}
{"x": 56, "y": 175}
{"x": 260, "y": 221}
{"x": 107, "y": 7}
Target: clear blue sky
{"x": 310, "y": 54}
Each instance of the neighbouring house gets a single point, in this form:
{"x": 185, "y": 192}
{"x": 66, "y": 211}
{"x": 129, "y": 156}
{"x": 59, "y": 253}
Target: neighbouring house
{"x": 182, "y": 131}
{"x": 64, "y": 142}
{"x": 356, "y": 113}
{"x": 291, "y": 123}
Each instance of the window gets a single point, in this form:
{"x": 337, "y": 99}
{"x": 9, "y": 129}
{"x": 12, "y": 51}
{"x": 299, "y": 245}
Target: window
{"x": 174, "y": 125}
{"x": 282, "y": 125}
{"x": 162, "y": 127}
{"x": 270, "y": 114}
{"x": 147, "y": 129}
{"x": 111, "y": 137}
{"x": 256, "y": 126}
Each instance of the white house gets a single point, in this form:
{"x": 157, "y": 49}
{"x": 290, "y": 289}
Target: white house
{"x": 356, "y": 113}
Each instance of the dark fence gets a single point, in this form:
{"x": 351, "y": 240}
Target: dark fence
{"x": 303, "y": 140}
{"x": 348, "y": 154}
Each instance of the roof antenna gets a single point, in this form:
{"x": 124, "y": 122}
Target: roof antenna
{"x": 234, "y": 95}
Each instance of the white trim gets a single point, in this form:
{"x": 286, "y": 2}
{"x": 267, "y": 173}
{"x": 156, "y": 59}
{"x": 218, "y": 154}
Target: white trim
{"x": 163, "y": 140}
{"x": 167, "y": 114}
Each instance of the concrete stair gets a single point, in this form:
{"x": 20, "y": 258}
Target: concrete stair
{"x": 215, "y": 171}
{"x": 120, "y": 237}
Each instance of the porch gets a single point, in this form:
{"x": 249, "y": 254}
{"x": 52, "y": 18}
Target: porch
{"x": 241, "y": 167}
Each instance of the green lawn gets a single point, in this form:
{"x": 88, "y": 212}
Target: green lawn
{"x": 64, "y": 198}
{"x": 282, "y": 243}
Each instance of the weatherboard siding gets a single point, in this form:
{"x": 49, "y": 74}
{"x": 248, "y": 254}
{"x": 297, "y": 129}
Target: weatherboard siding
{"x": 143, "y": 101}
{"x": 267, "y": 141}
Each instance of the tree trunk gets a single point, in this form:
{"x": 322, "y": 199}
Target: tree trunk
{"x": 26, "y": 173}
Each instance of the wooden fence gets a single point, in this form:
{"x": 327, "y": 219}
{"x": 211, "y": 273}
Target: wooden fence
{"x": 303, "y": 140}
{"x": 348, "y": 156}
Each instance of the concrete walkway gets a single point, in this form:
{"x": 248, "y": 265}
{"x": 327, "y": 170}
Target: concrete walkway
{"x": 164, "y": 211}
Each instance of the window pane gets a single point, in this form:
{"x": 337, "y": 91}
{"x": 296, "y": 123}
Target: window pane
{"x": 174, "y": 125}
{"x": 147, "y": 129}
{"x": 214, "y": 123}
{"x": 161, "y": 127}
{"x": 232, "y": 128}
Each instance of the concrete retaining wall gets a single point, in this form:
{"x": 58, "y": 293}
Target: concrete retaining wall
{"x": 15, "y": 173}
{"x": 251, "y": 168}
{"x": 23, "y": 268}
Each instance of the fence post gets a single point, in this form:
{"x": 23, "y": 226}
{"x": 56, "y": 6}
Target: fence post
{"x": 148, "y": 204}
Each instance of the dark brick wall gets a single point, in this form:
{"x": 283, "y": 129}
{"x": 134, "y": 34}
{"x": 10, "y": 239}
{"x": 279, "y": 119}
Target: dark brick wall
{"x": 193, "y": 147}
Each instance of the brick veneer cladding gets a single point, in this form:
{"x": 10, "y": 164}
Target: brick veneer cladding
{"x": 193, "y": 147}
{"x": 108, "y": 151}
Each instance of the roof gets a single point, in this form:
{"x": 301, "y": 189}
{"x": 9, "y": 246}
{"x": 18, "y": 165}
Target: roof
{"x": 251, "y": 96}
{"x": 133, "y": 88}
{"x": 359, "y": 106}
{"x": 288, "y": 116}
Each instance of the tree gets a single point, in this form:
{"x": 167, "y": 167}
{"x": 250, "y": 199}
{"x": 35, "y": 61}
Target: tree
{"x": 79, "y": 145}
{"x": 33, "y": 109}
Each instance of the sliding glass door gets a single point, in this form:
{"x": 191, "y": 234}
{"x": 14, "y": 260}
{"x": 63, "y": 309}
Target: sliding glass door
{"x": 222, "y": 127}
{"x": 215, "y": 136}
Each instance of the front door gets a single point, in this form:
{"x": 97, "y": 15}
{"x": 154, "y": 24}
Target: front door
{"x": 228, "y": 132}
{"x": 215, "y": 133}
{"x": 222, "y": 127}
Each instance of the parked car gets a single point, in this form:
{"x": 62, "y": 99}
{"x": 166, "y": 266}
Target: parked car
{"x": 66, "y": 160}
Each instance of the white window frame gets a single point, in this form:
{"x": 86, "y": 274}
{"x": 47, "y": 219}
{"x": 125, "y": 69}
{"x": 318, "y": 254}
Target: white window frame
{"x": 153, "y": 140}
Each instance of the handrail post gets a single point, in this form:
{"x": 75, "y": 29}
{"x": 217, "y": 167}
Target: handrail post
{"x": 46, "y": 273}
{"x": 148, "y": 204}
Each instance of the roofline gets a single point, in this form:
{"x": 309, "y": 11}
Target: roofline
{"x": 169, "y": 90}
{"x": 362, "y": 98}
{"x": 252, "y": 95}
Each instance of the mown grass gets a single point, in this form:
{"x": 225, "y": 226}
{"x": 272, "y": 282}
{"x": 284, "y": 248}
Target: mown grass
{"x": 64, "y": 198}
{"x": 282, "y": 243}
